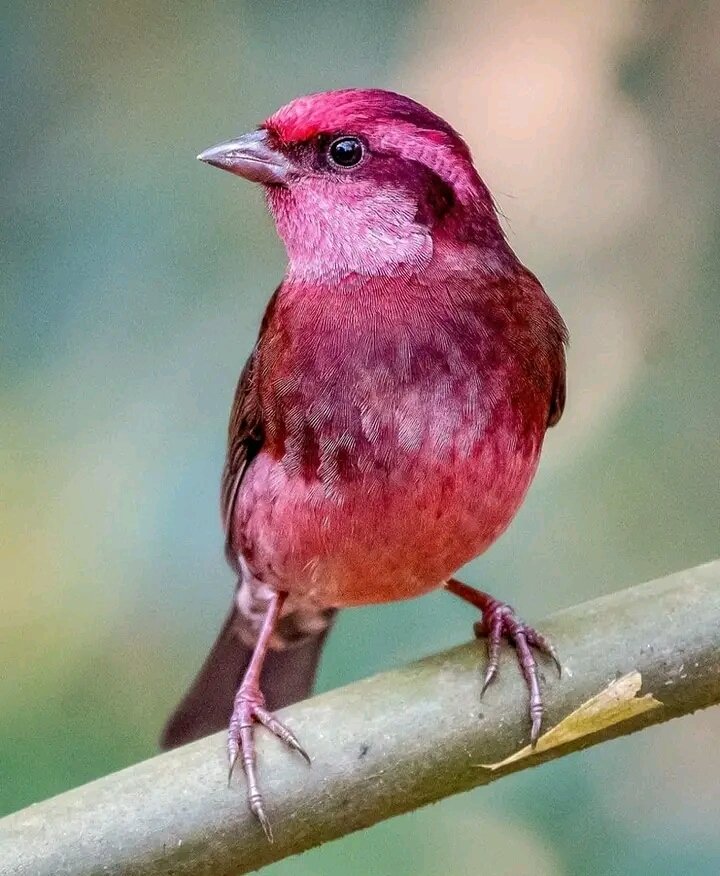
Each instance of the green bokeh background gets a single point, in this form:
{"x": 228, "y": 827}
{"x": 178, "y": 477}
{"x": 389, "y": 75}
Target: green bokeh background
{"x": 132, "y": 285}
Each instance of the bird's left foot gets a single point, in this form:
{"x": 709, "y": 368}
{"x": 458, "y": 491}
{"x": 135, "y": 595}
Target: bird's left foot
{"x": 248, "y": 711}
{"x": 499, "y": 622}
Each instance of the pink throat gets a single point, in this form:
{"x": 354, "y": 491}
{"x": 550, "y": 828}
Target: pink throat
{"x": 330, "y": 233}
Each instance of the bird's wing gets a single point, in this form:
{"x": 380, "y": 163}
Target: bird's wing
{"x": 557, "y": 401}
{"x": 246, "y": 434}
{"x": 245, "y": 439}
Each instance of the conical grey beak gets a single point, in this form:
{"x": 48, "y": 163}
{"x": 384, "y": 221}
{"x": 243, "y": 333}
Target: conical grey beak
{"x": 250, "y": 156}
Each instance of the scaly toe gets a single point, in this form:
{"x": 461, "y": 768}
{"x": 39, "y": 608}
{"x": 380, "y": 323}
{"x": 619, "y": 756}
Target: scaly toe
{"x": 543, "y": 645}
{"x": 267, "y": 719}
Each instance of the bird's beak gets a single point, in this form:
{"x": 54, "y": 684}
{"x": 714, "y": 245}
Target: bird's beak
{"x": 250, "y": 156}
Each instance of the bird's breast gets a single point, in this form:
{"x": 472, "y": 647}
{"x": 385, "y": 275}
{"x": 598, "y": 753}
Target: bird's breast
{"x": 380, "y": 490}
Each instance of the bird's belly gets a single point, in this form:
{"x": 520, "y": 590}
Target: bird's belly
{"x": 387, "y": 535}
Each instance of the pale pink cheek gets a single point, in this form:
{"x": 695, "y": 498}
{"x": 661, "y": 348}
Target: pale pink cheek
{"x": 335, "y": 229}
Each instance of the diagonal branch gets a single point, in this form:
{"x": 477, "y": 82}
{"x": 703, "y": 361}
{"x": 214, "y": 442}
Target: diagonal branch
{"x": 387, "y": 745}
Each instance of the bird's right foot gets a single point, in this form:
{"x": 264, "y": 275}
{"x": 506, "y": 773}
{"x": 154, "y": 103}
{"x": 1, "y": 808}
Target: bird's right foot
{"x": 499, "y": 622}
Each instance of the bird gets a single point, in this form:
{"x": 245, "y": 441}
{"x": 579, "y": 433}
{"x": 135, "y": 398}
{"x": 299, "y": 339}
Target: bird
{"x": 390, "y": 418}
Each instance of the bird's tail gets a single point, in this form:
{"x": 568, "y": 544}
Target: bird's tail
{"x": 288, "y": 676}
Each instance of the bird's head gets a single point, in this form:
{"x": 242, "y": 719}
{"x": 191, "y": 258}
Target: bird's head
{"x": 363, "y": 181}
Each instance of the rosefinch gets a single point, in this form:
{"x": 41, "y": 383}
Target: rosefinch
{"x": 389, "y": 421}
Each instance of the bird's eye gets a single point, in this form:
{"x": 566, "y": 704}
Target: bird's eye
{"x": 346, "y": 151}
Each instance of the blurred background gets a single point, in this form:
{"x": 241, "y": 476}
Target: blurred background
{"x": 132, "y": 285}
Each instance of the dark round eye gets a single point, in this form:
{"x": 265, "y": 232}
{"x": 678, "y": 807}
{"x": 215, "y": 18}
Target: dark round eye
{"x": 346, "y": 151}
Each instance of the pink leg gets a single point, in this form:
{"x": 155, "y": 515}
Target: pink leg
{"x": 500, "y": 621}
{"x": 248, "y": 709}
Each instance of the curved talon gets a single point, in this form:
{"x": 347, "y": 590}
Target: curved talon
{"x": 233, "y": 760}
{"x": 490, "y": 674}
{"x": 256, "y": 807}
{"x": 295, "y": 745}
{"x": 494, "y": 637}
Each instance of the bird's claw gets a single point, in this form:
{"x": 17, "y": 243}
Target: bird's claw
{"x": 500, "y": 621}
{"x": 249, "y": 710}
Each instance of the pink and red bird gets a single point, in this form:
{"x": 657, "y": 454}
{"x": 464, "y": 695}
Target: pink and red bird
{"x": 389, "y": 421}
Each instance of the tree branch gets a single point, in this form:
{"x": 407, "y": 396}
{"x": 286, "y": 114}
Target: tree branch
{"x": 386, "y": 745}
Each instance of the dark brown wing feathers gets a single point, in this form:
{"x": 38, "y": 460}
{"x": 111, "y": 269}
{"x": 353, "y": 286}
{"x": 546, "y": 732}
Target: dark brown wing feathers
{"x": 557, "y": 403}
{"x": 245, "y": 438}
{"x": 245, "y": 432}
